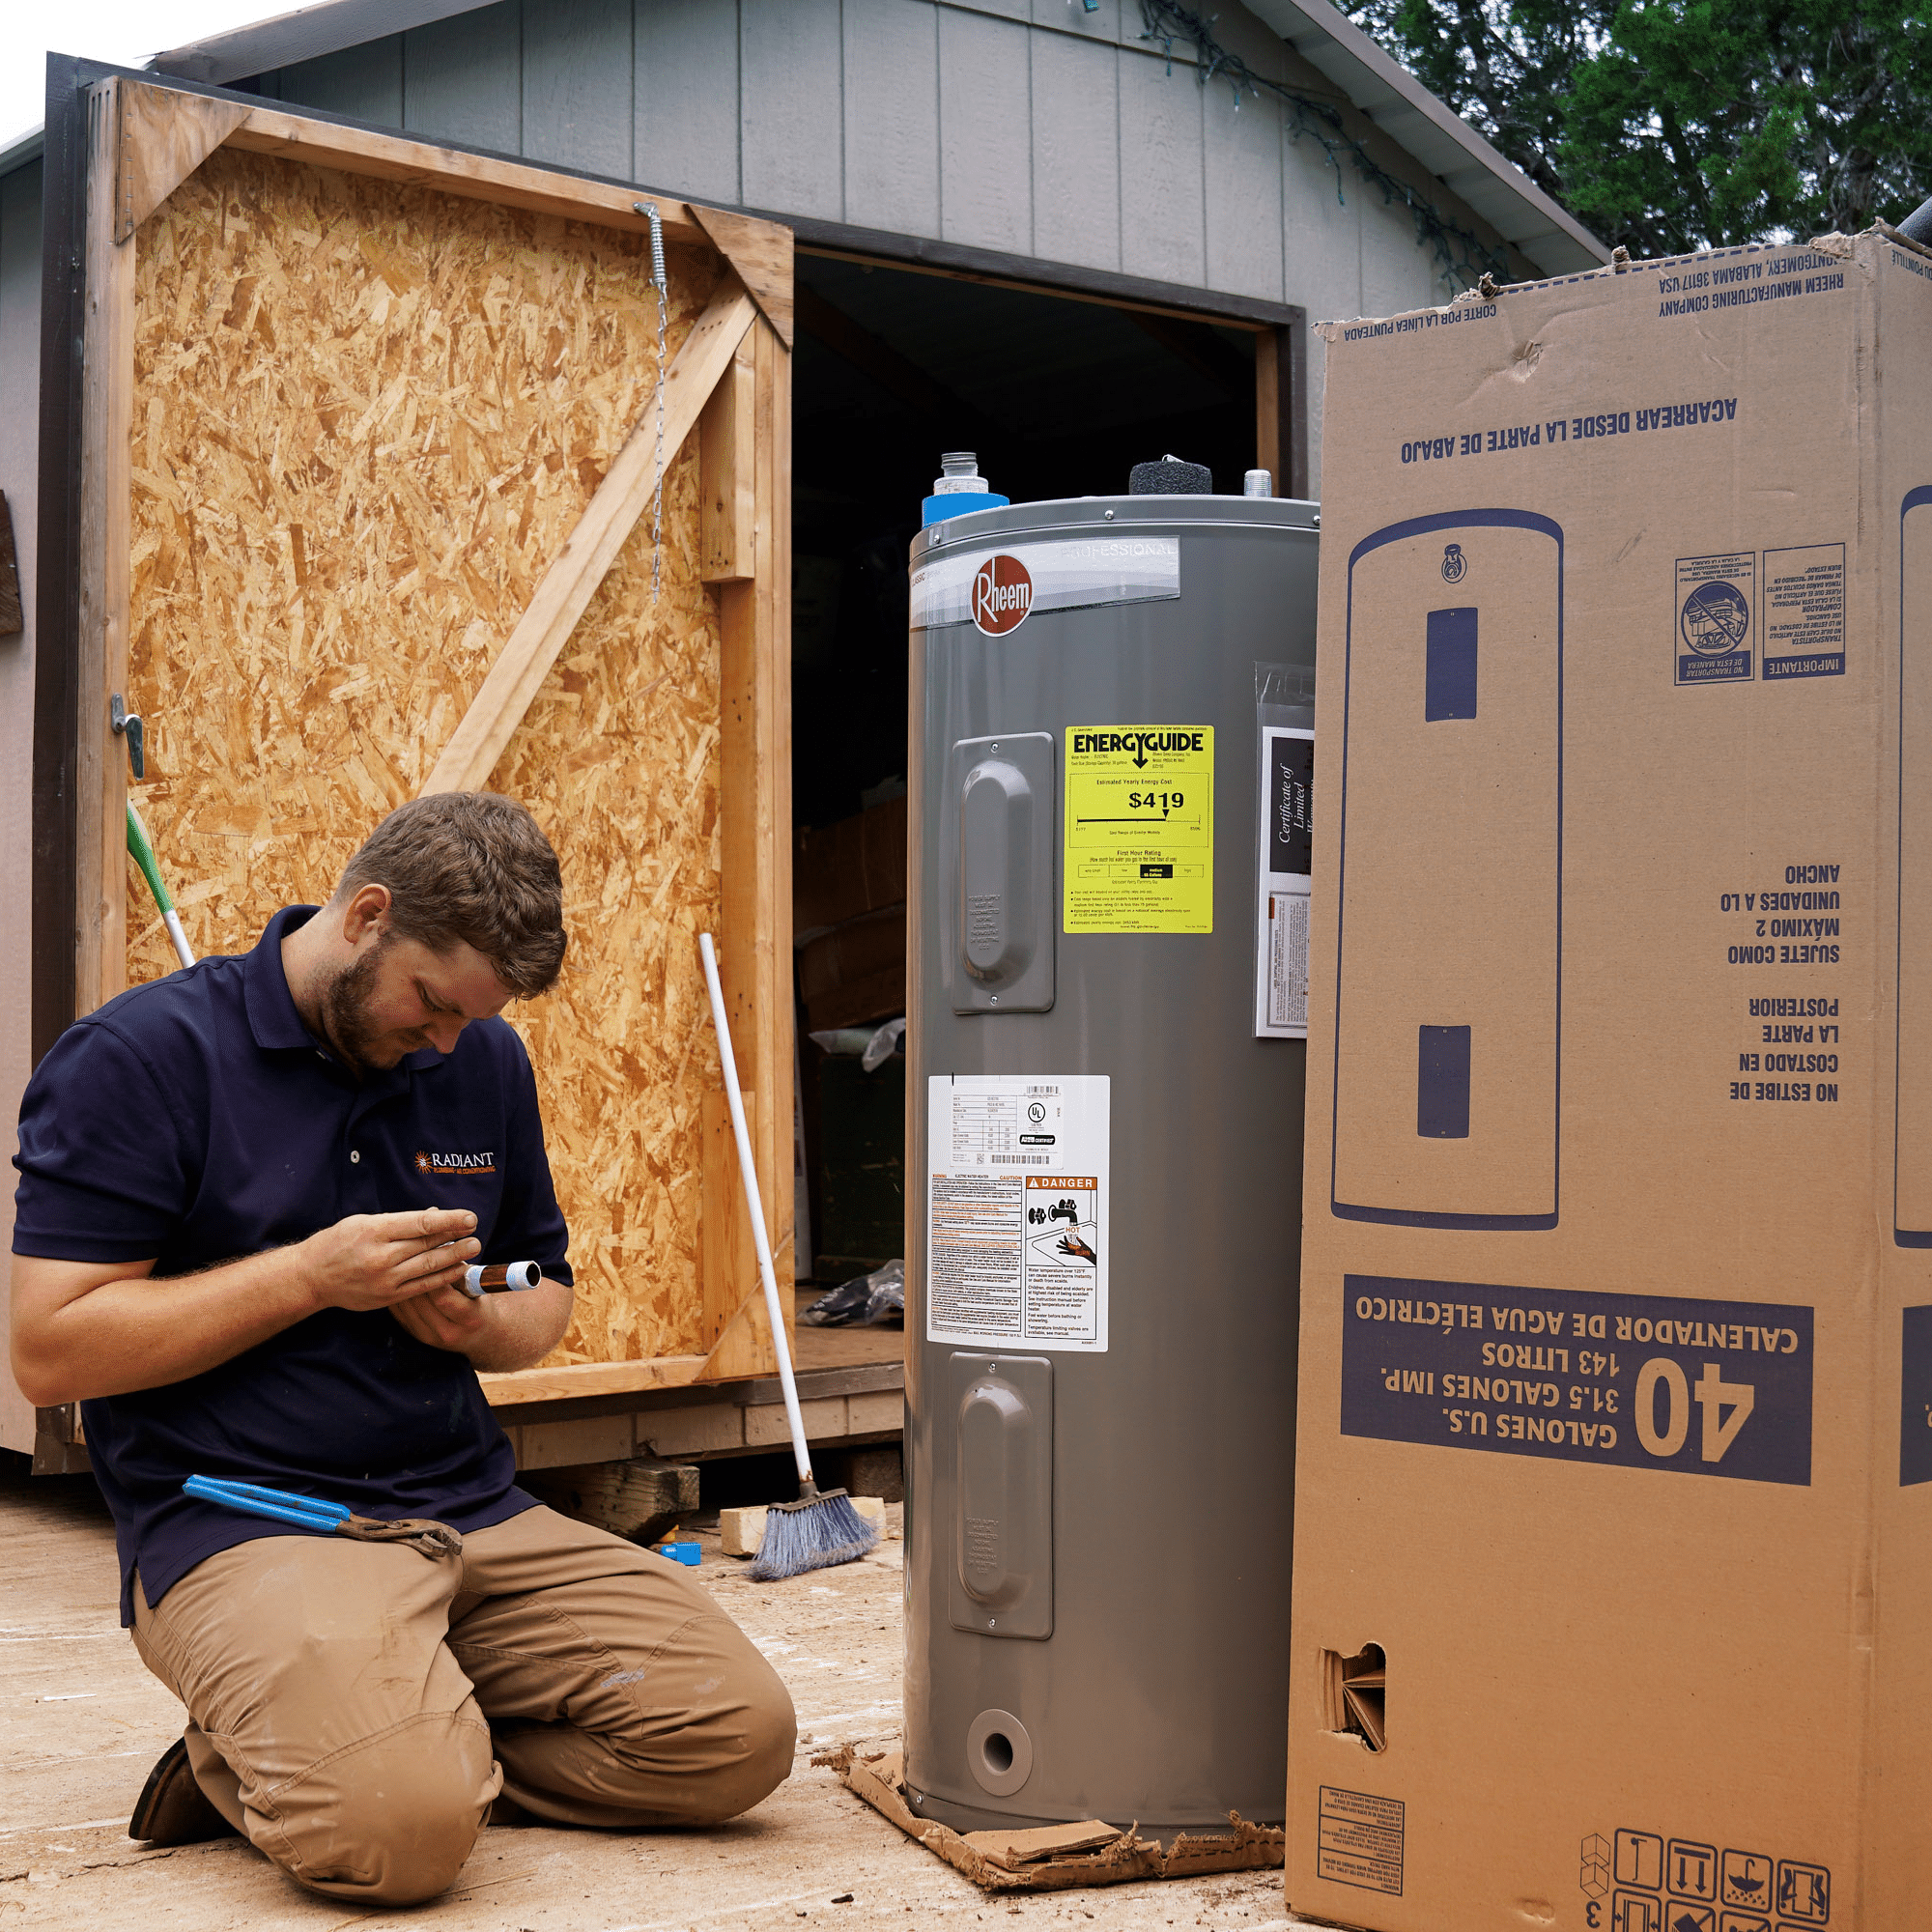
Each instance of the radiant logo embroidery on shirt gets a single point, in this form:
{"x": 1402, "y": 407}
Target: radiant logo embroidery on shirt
{"x": 458, "y": 1163}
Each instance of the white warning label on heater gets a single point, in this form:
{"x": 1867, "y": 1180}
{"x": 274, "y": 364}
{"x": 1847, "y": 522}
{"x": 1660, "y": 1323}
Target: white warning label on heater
{"x": 1016, "y": 1210}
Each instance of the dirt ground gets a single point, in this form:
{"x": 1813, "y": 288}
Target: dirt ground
{"x": 81, "y": 1722}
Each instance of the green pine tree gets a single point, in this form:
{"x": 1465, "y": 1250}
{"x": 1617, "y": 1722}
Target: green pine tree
{"x": 1671, "y": 125}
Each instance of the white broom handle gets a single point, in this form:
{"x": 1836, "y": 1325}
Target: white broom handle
{"x": 749, "y": 1174}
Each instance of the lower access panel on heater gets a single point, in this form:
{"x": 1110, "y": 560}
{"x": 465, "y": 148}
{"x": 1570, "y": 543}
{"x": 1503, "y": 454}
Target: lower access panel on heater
{"x": 1002, "y": 1529}
{"x": 1451, "y": 891}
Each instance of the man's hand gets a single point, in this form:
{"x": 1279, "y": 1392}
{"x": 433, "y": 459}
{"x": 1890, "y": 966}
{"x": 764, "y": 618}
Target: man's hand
{"x": 445, "y": 1318}
{"x": 494, "y": 1331}
{"x": 375, "y": 1261}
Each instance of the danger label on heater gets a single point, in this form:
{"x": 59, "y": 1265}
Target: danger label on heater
{"x": 1017, "y": 1210}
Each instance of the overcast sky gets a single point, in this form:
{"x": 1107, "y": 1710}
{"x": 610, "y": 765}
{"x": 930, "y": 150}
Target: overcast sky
{"x": 123, "y": 31}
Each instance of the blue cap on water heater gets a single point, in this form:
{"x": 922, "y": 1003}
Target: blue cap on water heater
{"x": 958, "y": 488}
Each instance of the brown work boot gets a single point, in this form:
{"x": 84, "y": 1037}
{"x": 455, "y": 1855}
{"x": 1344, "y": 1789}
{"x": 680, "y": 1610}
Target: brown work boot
{"x": 172, "y": 1808}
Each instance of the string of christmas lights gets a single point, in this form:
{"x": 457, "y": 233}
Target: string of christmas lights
{"x": 1465, "y": 257}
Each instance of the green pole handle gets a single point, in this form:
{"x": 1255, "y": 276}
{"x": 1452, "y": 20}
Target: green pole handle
{"x": 144, "y": 857}
{"x": 143, "y": 851}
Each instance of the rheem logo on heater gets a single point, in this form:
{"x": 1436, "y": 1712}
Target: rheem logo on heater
{"x": 1002, "y": 595}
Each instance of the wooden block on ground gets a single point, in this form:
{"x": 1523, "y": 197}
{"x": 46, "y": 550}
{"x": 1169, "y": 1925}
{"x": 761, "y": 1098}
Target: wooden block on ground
{"x": 640, "y": 1498}
{"x": 740, "y": 1532}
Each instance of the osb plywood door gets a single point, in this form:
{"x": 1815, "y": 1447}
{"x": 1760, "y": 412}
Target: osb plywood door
{"x": 366, "y": 418}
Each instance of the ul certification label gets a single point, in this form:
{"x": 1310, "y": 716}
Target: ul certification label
{"x": 1017, "y": 1210}
{"x": 1140, "y": 828}
{"x": 1281, "y": 917}
{"x": 1650, "y": 1882}
{"x": 1646, "y": 1381}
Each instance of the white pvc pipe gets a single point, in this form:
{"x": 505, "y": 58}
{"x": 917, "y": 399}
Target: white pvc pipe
{"x": 748, "y": 1172}
{"x": 184, "y": 951}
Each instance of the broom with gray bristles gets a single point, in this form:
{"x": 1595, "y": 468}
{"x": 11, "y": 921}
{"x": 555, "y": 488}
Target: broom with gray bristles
{"x": 822, "y": 1527}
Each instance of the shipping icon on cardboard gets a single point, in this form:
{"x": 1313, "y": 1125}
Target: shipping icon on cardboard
{"x": 1679, "y": 1885}
{"x": 1747, "y": 1879}
{"x": 1636, "y": 1912}
{"x": 1692, "y": 1870}
{"x": 1804, "y": 1893}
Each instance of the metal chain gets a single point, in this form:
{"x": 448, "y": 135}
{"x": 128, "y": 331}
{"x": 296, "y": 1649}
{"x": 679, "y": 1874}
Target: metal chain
{"x": 649, "y": 210}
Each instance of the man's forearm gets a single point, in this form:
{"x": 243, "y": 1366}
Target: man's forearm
{"x": 524, "y": 1328}
{"x": 132, "y": 1332}
{"x": 81, "y": 1330}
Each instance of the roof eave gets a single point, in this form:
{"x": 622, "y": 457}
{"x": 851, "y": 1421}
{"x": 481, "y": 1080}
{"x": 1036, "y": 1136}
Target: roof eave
{"x": 1441, "y": 140}
{"x": 306, "y": 33}
{"x": 23, "y": 149}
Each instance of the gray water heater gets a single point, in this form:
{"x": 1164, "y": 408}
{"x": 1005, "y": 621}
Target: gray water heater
{"x": 1112, "y": 760}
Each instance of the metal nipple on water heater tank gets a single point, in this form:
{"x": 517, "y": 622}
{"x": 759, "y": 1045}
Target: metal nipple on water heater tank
{"x": 958, "y": 488}
{"x": 959, "y": 473}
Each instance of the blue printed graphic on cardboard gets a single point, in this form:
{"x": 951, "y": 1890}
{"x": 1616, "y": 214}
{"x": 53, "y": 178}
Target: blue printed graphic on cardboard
{"x": 1715, "y": 595}
{"x": 1915, "y": 1400}
{"x": 1643, "y": 1381}
{"x": 1715, "y": 619}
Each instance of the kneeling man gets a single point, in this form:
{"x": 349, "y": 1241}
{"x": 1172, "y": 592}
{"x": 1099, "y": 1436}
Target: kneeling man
{"x": 249, "y": 1193}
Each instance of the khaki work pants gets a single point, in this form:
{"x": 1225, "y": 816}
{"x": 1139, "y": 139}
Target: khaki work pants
{"x": 356, "y": 1707}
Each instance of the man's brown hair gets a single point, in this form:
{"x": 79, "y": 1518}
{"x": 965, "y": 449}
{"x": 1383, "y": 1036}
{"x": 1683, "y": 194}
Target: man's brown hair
{"x": 469, "y": 865}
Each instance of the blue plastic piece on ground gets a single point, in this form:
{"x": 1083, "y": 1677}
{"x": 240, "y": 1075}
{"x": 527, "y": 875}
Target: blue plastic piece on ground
{"x": 681, "y": 1552}
{"x": 943, "y": 509}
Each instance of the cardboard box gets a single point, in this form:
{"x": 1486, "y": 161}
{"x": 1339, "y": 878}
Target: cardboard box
{"x": 843, "y": 870}
{"x": 855, "y": 972}
{"x": 1613, "y": 1558}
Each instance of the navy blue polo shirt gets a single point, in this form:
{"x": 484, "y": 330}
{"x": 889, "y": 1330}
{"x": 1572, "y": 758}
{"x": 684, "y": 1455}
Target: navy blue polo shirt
{"x": 197, "y": 1121}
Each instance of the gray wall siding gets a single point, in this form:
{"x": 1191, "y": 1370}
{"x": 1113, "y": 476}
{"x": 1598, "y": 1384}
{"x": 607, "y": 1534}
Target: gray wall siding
{"x": 578, "y": 72}
{"x": 985, "y": 132}
{"x": 688, "y": 91}
{"x": 365, "y": 81}
{"x": 793, "y": 106}
{"x": 891, "y": 128}
{"x": 1030, "y": 127}
{"x": 19, "y": 466}
{"x": 1077, "y": 152}
{"x": 465, "y": 81}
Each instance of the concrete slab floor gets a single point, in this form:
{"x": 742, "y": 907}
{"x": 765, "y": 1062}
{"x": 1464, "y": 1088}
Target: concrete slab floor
{"x": 81, "y": 1721}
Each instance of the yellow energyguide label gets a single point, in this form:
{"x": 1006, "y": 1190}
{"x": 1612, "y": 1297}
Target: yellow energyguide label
{"x": 1140, "y": 828}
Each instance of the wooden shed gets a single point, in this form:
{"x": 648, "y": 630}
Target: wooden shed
{"x": 319, "y": 339}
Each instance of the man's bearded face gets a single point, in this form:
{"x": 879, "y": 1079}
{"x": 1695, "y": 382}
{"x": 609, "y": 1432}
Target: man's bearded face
{"x": 347, "y": 1014}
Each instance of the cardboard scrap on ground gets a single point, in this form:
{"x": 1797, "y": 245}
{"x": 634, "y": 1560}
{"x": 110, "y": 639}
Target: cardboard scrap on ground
{"x": 1051, "y": 1858}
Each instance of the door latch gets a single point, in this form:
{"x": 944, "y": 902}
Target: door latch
{"x": 127, "y": 724}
